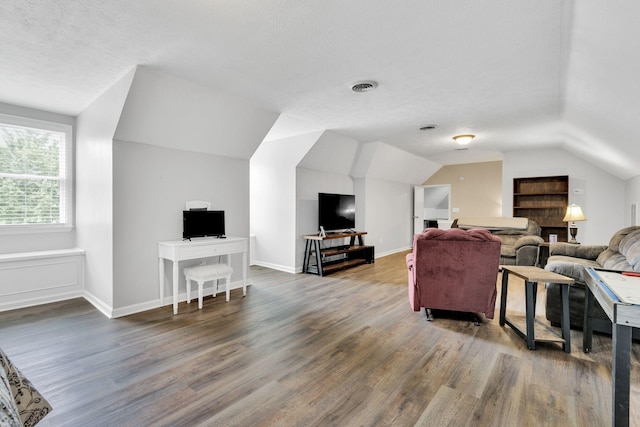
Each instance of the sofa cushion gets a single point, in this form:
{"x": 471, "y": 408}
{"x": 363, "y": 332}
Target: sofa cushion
{"x": 623, "y": 252}
{"x": 612, "y": 260}
{"x": 508, "y": 239}
{"x": 616, "y": 239}
{"x": 508, "y": 251}
{"x": 570, "y": 267}
{"x": 630, "y": 248}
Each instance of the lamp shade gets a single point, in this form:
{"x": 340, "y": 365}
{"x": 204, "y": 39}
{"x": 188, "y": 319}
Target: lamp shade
{"x": 574, "y": 213}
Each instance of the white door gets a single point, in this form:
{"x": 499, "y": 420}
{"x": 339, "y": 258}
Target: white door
{"x": 418, "y": 209}
{"x": 434, "y": 201}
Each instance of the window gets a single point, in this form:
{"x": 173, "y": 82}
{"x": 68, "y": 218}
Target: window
{"x": 35, "y": 175}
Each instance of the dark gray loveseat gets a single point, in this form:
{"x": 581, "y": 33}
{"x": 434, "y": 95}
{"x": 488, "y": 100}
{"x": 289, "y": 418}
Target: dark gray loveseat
{"x": 622, "y": 253}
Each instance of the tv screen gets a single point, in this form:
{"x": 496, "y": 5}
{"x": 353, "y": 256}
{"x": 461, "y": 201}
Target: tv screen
{"x": 201, "y": 223}
{"x": 336, "y": 212}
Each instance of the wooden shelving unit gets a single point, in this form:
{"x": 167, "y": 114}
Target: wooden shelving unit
{"x": 321, "y": 261}
{"x": 544, "y": 200}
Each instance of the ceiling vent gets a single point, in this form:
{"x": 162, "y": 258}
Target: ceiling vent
{"x": 427, "y": 127}
{"x": 364, "y": 86}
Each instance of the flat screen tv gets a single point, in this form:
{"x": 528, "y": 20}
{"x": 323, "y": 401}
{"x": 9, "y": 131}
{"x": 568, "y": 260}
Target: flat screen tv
{"x": 202, "y": 223}
{"x": 336, "y": 212}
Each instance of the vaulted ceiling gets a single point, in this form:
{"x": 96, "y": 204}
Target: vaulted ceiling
{"x": 518, "y": 74}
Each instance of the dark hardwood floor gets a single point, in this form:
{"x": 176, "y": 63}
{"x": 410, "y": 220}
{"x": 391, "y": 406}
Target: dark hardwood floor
{"x": 303, "y": 350}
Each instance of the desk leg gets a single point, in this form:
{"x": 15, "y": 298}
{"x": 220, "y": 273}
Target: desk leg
{"x": 587, "y": 330}
{"x": 244, "y": 274}
{"x": 621, "y": 370}
{"x": 175, "y": 286}
{"x": 503, "y": 296}
{"x": 530, "y": 309}
{"x": 161, "y": 279}
{"x": 564, "y": 321}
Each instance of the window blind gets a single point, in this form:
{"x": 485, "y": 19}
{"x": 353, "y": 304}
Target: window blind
{"x": 33, "y": 174}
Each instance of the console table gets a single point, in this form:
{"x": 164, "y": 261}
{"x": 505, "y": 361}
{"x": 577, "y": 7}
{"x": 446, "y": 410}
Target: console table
{"x": 335, "y": 258}
{"x": 624, "y": 316}
{"x": 206, "y": 247}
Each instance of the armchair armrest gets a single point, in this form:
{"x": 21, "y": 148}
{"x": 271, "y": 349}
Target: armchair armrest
{"x": 528, "y": 241}
{"x": 409, "y": 261}
{"x": 589, "y": 252}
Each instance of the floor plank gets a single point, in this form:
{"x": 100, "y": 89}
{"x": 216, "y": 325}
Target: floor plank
{"x": 342, "y": 350}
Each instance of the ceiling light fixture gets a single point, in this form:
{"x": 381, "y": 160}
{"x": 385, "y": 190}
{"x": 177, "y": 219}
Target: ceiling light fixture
{"x": 463, "y": 139}
{"x": 364, "y": 86}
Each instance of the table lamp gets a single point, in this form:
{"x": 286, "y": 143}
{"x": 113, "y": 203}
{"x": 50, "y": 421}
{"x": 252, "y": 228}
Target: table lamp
{"x": 574, "y": 213}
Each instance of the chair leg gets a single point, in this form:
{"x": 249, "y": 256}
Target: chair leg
{"x": 188, "y": 293}
{"x": 228, "y": 285}
{"x": 200, "y": 294}
{"x": 215, "y": 287}
{"x": 475, "y": 319}
{"x": 427, "y": 312}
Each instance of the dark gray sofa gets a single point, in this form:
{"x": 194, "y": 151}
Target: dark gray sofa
{"x": 622, "y": 253}
{"x": 519, "y": 242}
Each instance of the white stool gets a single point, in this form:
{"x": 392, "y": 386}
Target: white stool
{"x": 204, "y": 273}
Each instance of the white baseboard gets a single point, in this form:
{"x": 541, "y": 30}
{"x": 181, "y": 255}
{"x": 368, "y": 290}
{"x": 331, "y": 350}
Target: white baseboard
{"x": 278, "y": 267}
{"x": 168, "y": 300}
{"x": 394, "y": 251}
{"x": 104, "y": 308}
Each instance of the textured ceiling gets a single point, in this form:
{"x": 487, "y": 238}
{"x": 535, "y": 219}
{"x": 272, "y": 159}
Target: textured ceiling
{"x": 518, "y": 74}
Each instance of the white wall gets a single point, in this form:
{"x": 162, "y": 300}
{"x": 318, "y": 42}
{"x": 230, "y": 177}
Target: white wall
{"x": 30, "y": 242}
{"x": 632, "y": 196}
{"x": 383, "y": 161}
{"x": 603, "y": 201}
{"x": 273, "y": 199}
{"x": 94, "y": 190}
{"x": 171, "y": 112}
{"x": 150, "y": 187}
{"x": 388, "y": 219}
{"x": 333, "y": 153}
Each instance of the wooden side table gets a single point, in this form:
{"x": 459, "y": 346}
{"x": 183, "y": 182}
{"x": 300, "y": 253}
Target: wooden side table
{"x": 526, "y": 328}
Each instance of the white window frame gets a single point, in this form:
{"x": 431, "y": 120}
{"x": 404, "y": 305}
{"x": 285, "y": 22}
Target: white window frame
{"x": 66, "y": 190}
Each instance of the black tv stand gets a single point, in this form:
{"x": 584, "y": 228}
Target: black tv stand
{"x": 323, "y": 261}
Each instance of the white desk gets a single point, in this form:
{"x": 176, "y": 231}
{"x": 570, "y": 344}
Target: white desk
{"x": 181, "y": 250}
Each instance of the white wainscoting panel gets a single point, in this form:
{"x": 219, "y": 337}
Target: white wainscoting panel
{"x": 33, "y": 278}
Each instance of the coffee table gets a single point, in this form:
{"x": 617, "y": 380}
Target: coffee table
{"x": 528, "y": 328}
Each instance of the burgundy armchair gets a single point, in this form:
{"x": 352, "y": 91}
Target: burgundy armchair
{"x": 454, "y": 270}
